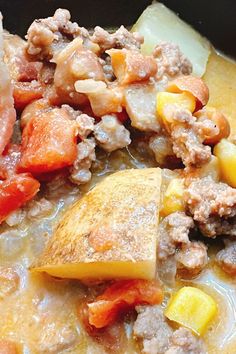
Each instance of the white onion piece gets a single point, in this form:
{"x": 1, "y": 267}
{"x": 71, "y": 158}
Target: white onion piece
{"x": 89, "y": 86}
{"x": 157, "y": 23}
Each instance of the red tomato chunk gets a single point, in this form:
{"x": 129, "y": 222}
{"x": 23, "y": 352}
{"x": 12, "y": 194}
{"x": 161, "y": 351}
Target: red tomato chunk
{"x": 26, "y": 92}
{"x": 16, "y": 191}
{"x": 122, "y": 296}
{"x": 48, "y": 142}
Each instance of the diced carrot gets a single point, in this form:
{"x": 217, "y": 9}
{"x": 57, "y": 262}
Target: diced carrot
{"x": 48, "y": 142}
{"x": 16, "y": 191}
{"x": 26, "y": 92}
{"x": 9, "y": 160}
{"x": 120, "y": 297}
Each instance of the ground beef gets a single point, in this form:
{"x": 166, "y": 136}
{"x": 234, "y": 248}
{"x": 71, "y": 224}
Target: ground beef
{"x": 184, "y": 342}
{"x": 122, "y": 38}
{"x": 188, "y": 135}
{"x": 213, "y": 206}
{"x": 39, "y": 208}
{"x": 171, "y": 61}
{"x": 45, "y": 35}
{"x": 158, "y": 337}
{"x": 161, "y": 147}
{"x": 80, "y": 172}
{"x": 110, "y": 134}
{"x": 107, "y": 68}
{"x": 191, "y": 258}
{"x": 151, "y": 327}
{"x": 173, "y": 231}
{"x": 226, "y": 258}
{"x": 175, "y": 251}
{"x": 85, "y": 123}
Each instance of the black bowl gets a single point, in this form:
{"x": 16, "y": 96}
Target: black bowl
{"x": 216, "y": 19}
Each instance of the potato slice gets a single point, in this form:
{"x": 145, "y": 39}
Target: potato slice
{"x": 109, "y": 233}
{"x": 157, "y": 23}
{"x": 220, "y": 77}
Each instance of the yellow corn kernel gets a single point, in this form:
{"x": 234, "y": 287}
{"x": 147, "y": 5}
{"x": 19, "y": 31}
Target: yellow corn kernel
{"x": 173, "y": 198}
{"x": 226, "y": 153}
{"x": 185, "y": 100}
{"x": 191, "y": 308}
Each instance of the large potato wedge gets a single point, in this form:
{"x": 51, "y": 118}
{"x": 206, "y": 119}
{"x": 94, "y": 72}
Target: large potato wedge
{"x": 220, "y": 77}
{"x": 109, "y": 233}
{"x": 157, "y": 23}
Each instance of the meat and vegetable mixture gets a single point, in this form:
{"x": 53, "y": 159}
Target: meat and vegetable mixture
{"x": 117, "y": 191}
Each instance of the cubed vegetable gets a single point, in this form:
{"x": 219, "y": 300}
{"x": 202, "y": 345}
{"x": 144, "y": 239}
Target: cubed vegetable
{"x": 26, "y": 92}
{"x": 15, "y": 192}
{"x": 48, "y": 142}
{"x": 173, "y": 198}
{"x": 226, "y": 153}
{"x": 110, "y": 233}
{"x": 185, "y": 100}
{"x": 123, "y": 296}
{"x": 192, "y": 308}
{"x": 130, "y": 66}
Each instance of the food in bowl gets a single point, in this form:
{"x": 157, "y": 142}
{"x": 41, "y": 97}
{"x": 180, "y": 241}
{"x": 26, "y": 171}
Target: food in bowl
{"x": 117, "y": 193}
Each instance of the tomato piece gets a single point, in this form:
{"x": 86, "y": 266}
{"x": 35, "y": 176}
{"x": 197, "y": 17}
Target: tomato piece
{"x": 26, "y": 92}
{"x": 120, "y": 297}
{"x": 16, "y": 191}
{"x": 9, "y": 160}
{"x": 48, "y": 142}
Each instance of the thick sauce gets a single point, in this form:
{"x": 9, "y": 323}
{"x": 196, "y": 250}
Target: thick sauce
{"x": 42, "y": 313}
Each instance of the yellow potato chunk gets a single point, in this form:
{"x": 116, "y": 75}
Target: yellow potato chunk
{"x": 185, "y": 100}
{"x": 220, "y": 77}
{"x": 110, "y": 233}
{"x": 173, "y": 198}
{"x": 225, "y": 151}
{"x": 191, "y": 308}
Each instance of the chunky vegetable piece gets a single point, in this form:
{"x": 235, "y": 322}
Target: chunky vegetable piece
{"x": 192, "y": 308}
{"x": 16, "y": 191}
{"x": 111, "y": 232}
{"x": 173, "y": 198}
{"x": 220, "y": 77}
{"x": 226, "y": 153}
{"x": 123, "y": 296}
{"x": 154, "y": 25}
{"x": 193, "y": 85}
{"x": 26, "y": 92}
{"x": 130, "y": 66}
{"x": 48, "y": 142}
{"x": 185, "y": 100}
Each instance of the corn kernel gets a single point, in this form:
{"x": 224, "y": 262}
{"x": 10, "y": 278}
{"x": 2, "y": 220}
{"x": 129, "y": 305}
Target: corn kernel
{"x": 185, "y": 100}
{"x": 173, "y": 198}
{"x": 226, "y": 153}
{"x": 191, "y": 308}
